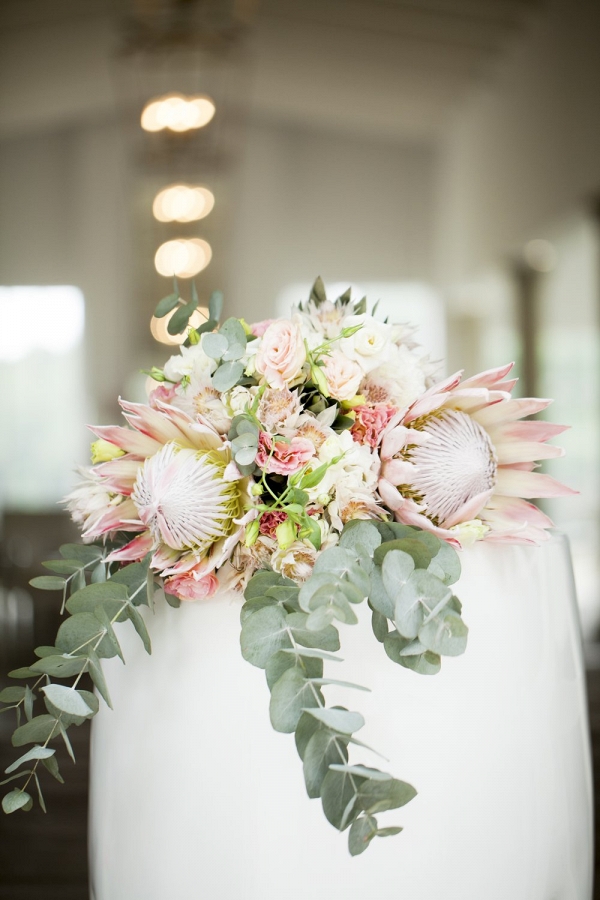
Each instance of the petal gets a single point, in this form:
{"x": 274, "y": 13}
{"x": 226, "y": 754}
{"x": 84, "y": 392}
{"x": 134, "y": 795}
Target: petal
{"x": 509, "y": 410}
{"x": 525, "y": 451}
{"x": 516, "y": 483}
{"x": 398, "y": 471}
{"x": 526, "y": 431}
{"x": 120, "y": 474}
{"x": 516, "y": 510}
{"x": 128, "y": 440}
{"x": 152, "y": 422}
{"x": 395, "y": 440}
{"x": 135, "y": 550}
{"x": 468, "y": 510}
{"x": 489, "y": 378}
{"x": 121, "y": 517}
{"x": 392, "y": 497}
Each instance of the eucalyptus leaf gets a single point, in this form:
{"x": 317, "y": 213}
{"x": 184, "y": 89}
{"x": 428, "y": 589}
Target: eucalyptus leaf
{"x": 51, "y": 765}
{"x": 412, "y": 545}
{"x": 85, "y": 553}
{"x": 215, "y": 305}
{"x": 214, "y": 345}
{"x": 379, "y": 598}
{"x": 263, "y": 634}
{"x": 380, "y": 626}
{"x": 97, "y": 675}
{"x": 281, "y": 661}
{"x": 325, "y": 639}
{"x": 48, "y": 583}
{"x": 416, "y": 598}
{"x": 37, "y": 752}
{"x": 227, "y": 376}
{"x": 165, "y": 305}
{"x": 339, "y": 794}
{"x": 16, "y": 799}
{"x": 37, "y": 731}
{"x": 62, "y": 566}
{"x": 396, "y": 569}
{"x": 12, "y": 694}
{"x": 323, "y": 748}
{"x": 86, "y": 599}
{"x": 446, "y": 634}
{"x": 341, "y": 720}
{"x": 290, "y": 696}
{"x": 81, "y": 631}
{"x": 67, "y": 700}
{"x": 362, "y": 831}
{"x": 60, "y": 666}
{"x": 379, "y": 796}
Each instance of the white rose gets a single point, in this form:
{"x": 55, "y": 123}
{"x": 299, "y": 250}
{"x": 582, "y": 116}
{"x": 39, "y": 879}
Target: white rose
{"x": 371, "y": 345}
{"x": 343, "y": 375}
{"x": 402, "y": 377}
{"x": 238, "y": 399}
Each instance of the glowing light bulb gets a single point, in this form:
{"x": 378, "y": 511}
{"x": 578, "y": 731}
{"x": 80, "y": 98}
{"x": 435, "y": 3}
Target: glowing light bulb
{"x": 177, "y": 112}
{"x": 182, "y": 203}
{"x": 183, "y": 257}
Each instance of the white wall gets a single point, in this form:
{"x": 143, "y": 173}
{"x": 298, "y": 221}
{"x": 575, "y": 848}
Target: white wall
{"x": 525, "y": 150}
{"x": 312, "y": 203}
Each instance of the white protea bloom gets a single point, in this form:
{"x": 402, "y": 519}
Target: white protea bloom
{"x": 182, "y": 497}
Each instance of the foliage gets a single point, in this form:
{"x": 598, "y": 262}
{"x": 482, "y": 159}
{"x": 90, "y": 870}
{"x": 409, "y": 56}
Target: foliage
{"x": 288, "y": 631}
{"x": 84, "y": 638}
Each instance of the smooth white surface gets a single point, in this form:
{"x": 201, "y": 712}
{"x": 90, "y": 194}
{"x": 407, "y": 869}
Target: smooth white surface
{"x": 194, "y": 796}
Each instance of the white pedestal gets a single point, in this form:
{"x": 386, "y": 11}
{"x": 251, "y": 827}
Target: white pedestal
{"x": 194, "y": 797}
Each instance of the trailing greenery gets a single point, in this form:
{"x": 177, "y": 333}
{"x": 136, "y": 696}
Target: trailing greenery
{"x": 84, "y": 638}
{"x": 288, "y": 631}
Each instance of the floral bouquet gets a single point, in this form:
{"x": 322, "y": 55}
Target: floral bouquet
{"x": 310, "y": 464}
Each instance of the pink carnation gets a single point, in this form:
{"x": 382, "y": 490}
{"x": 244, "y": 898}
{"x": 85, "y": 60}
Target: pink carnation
{"x": 192, "y": 585}
{"x": 270, "y": 520}
{"x": 285, "y": 458}
{"x": 370, "y": 423}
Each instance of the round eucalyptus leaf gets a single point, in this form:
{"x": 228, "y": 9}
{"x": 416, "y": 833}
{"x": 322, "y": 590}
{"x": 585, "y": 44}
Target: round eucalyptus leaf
{"x": 14, "y": 800}
{"x": 263, "y": 634}
{"x": 214, "y": 345}
{"x": 341, "y": 720}
{"x": 227, "y": 376}
{"x": 323, "y": 748}
{"x": 362, "y": 831}
{"x": 67, "y": 700}
{"x": 290, "y": 696}
{"x": 446, "y": 634}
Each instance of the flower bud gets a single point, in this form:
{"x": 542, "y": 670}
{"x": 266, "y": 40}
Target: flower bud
{"x": 286, "y": 534}
{"x": 252, "y": 529}
{"x": 104, "y": 451}
{"x": 256, "y": 490}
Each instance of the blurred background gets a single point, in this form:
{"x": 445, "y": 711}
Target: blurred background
{"x": 442, "y": 156}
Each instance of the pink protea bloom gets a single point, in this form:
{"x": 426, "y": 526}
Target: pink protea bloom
{"x": 282, "y": 457}
{"x": 459, "y": 455}
{"x": 177, "y": 487}
{"x": 370, "y": 423}
{"x": 192, "y": 585}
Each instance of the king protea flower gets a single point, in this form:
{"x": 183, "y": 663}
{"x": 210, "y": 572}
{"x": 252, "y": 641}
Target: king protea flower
{"x": 178, "y": 488}
{"x": 459, "y": 463}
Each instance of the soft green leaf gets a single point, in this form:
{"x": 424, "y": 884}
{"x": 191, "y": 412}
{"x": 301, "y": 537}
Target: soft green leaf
{"x": 214, "y": 345}
{"x": 140, "y": 626}
{"x": 24, "y": 672}
{"x": 339, "y": 793}
{"x": 85, "y": 553}
{"x": 360, "y": 537}
{"x": 62, "y": 566}
{"x": 388, "y": 832}
{"x": 413, "y": 546}
{"x": 264, "y": 633}
{"x": 447, "y": 561}
{"x": 16, "y": 799}
{"x": 233, "y": 330}
{"x": 380, "y": 625}
{"x": 48, "y": 583}
{"x": 28, "y": 702}
{"x": 36, "y": 732}
{"x": 36, "y": 752}
{"x": 227, "y": 376}
{"x": 416, "y": 598}
{"x": 363, "y": 771}
{"x": 379, "y": 598}
{"x": 290, "y": 696}
{"x": 317, "y": 293}
{"x": 312, "y": 652}
{"x": 446, "y": 634}
{"x": 341, "y": 720}
{"x": 262, "y": 581}
{"x": 44, "y": 651}
{"x": 67, "y": 742}
{"x": 52, "y": 765}
{"x": 60, "y": 666}
{"x": 362, "y": 831}
{"x": 135, "y": 578}
{"x": 306, "y": 727}
{"x": 280, "y": 662}
{"x": 67, "y": 700}
{"x": 378, "y": 796}
{"x": 39, "y": 792}
{"x": 95, "y": 670}
{"x": 396, "y": 569}
{"x": 347, "y": 684}
{"x": 12, "y": 694}
{"x": 165, "y": 305}
{"x": 326, "y": 639}
{"x": 424, "y": 664}
{"x": 323, "y": 748}
{"x": 215, "y": 305}
{"x": 180, "y": 318}
{"x": 83, "y": 631}
{"x": 109, "y": 594}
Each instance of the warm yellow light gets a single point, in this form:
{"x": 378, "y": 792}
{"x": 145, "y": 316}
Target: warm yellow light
{"x": 177, "y": 113}
{"x": 182, "y": 203}
{"x": 158, "y": 327}
{"x": 183, "y": 257}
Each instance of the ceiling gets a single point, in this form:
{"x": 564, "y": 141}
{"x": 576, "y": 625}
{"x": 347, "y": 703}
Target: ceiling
{"x": 395, "y": 69}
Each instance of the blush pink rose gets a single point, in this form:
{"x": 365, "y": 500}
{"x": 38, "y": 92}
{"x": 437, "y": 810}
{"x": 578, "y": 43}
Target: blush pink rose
{"x": 192, "y": 585}
{"x": 281, "y": 354}
{"x": 370, "y": 423}
{"x": 285, "y": 458}
{"x": 259, "y": 328}
{"x": 343, "y": 375}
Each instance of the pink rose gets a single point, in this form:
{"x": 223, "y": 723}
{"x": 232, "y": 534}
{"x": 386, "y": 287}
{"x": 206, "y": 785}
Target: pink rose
{"x": 343, "y": 375}
{"x": 259, "y": 328}
{"x": 281, "y": 354}
{"x": 192, "y": 585}
{"x": 370, "y": 423}
{"x": 285, "y": 458}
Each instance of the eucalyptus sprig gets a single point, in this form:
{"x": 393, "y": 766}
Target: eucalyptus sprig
{"x": 84, "y": 638}
{"x": 288, "y": 630}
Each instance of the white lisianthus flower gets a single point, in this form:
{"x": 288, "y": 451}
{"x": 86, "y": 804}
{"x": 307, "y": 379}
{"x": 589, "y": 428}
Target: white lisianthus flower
{"x": 296, "y": 561}
{"x": 198, "y": 397}
{"x": 357, "y": 469}
{"x": 189, "y": 361}
{"x": 398, "y": 382}
{"x": 371, "y": 345}
{"x": 350, "y": 503}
